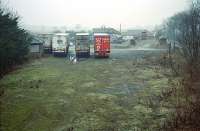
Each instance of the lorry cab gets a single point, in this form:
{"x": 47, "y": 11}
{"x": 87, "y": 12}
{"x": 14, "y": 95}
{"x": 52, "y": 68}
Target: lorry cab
{"x": 60, "y": 44}
{"x": 82, "y": 45}
{"x": 101, "y": 45}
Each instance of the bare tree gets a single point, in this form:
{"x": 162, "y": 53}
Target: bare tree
{"x": 183, "y": 30}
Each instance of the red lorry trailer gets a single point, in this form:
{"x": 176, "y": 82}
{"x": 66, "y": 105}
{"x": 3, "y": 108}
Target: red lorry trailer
{"x": 101, "y": 45}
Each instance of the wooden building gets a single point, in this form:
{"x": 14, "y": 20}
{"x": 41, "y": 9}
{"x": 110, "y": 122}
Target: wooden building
{"x": 36, "y": 47}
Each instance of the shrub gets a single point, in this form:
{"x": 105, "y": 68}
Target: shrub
{"x": 14, "y": 41}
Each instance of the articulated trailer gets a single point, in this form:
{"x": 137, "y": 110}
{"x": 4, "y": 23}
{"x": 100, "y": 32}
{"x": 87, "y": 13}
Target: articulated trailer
{"x": 82, "y": 45}
{"x": 60, "y": 44}
{"x": 101, "y": 45}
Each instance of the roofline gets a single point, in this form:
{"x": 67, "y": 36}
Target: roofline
{"x": 61, "y": 34}
{"x": 82, "y": 34}
{"x": 101, "y": 34}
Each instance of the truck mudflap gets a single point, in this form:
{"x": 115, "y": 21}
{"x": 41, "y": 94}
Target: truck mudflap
{"x": 103, "y": 54}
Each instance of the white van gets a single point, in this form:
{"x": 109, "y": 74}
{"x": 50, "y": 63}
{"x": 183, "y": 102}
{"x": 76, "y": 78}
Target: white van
{"x": 60, "y": 44}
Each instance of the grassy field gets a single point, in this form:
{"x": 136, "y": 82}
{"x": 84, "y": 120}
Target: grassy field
{"x": 52, "y": 94}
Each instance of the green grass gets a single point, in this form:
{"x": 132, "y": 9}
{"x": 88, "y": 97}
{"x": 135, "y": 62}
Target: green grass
{"x": 52, "y": 94}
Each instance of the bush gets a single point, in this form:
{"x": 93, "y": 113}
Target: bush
{"x": 14, "y": 41}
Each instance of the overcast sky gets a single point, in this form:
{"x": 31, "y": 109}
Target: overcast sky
{"x": 93, "y": 13}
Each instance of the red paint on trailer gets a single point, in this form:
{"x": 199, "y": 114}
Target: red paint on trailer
{"x": 102, "y": 45}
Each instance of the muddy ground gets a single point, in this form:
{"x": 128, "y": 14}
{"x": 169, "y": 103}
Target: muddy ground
{"x": 53, "y": 94}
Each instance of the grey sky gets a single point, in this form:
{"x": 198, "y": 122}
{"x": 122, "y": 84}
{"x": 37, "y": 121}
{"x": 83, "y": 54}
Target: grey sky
{"x": 93, "y": 13}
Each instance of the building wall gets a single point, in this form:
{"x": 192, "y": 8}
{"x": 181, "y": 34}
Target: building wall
{"x": 36, "y": 50}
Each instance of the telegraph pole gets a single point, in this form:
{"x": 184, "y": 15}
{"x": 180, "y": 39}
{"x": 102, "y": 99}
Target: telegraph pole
{"x": 120, "y": 28}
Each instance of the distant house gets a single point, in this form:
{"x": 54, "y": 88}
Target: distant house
{"x": 137, "y": 34}
{"x": 144, "y": 35}
{"x": 163, "y": 40}
{"x": 127, "y": 37}
{"x": 115, "y": 35}
{"x": 36, "y": 47}
{"x": 131, "y": 34}
{"x": 107, "y": 30}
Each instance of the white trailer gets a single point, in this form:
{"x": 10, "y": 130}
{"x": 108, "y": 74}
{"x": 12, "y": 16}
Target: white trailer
{"x": 60, "y": 44}
{"x": 47, "y": 38}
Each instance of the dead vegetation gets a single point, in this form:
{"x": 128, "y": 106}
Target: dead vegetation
{"x": 185, "y": 65}
{"x": 186, "y": 108}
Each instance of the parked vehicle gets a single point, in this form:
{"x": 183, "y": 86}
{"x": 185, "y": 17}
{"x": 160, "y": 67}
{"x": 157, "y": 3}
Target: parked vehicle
{"x": 82, "y": 45}
{"x": 47, "y": 38}
{"x": 60, "y": 44}
{"x": 101, "y": 45}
